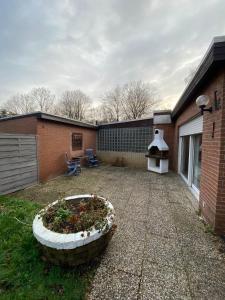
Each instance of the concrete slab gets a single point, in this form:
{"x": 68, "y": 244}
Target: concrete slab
{"x": 160, "y": 241}
{"x": 110, "y": 284}
{"x": 161, "y": 249}
{"x": 163, "y": 282}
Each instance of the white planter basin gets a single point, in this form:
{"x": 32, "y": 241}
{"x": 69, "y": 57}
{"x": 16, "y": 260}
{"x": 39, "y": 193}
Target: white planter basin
{"x": 73, "y": 248}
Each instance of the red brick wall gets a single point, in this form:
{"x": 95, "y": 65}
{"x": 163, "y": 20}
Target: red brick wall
{"x": 212, "y": 189}
{"x": 54, "y": 139}
{"x": 220, "y": 205}
{"x": 26, "y": 125}
{"x": 211, "y": 147}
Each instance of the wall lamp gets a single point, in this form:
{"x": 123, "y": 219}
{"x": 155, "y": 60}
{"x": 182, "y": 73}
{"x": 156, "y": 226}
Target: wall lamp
{"x": 202, "y": 101}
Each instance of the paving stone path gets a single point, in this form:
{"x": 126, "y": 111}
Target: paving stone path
{"x": 161, "y": 249}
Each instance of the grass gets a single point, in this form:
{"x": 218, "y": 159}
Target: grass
{"x": 23, "y": 275}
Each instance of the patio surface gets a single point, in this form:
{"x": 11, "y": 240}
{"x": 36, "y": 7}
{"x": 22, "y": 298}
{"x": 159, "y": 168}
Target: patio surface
{"x": 161, "y": 250}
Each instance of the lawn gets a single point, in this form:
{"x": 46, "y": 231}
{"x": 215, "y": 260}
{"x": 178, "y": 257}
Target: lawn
{"x": 23, "y": 274}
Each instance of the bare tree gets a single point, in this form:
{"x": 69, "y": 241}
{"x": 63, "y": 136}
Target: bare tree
{"x": 20, "y": 104}
{"x": 94, "y": 114}
{"x": 43, "y": 98}
{"x": 5, "y": 113}
{"x": 138, "y": 98}
{"x": 74, "y": 104}
{"x": 111, "y": 106}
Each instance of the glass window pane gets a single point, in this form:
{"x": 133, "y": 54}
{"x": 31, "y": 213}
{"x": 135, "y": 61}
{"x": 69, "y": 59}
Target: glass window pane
{"x": 185, "y": 155}
{"x": 197, "y": 139}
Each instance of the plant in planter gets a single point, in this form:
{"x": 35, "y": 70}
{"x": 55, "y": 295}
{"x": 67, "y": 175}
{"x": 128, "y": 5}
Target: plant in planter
{"x": 74, "y": 230}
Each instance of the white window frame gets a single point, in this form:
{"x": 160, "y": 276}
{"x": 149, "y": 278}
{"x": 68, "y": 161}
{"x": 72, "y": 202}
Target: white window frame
{"x": 189, "y": 179}
{"x": 189, "y": 129}
{"x": 180, "y": 159}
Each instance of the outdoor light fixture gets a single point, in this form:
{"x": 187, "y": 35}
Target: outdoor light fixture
{"x": 202, "y": 102}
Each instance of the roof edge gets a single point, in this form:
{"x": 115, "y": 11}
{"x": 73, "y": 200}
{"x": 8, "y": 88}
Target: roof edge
{"x": 206, "y": 63}
{"x": 125, "y": 121}
{"x": 51, "y": 117}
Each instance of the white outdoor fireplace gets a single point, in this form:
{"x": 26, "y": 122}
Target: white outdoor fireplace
{"x": 158, "y": 153}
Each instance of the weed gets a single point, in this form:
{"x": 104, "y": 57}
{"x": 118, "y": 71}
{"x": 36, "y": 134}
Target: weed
{"x": 209, "y": 229}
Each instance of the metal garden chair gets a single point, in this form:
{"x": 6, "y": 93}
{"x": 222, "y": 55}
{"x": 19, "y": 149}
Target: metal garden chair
{"x": 73, "y": 166}
{"x": 92, "y": 160}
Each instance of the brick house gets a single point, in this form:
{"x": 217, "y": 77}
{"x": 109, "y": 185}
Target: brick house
{"x": 196, "y": 142}
{"x": 55, "y": 137}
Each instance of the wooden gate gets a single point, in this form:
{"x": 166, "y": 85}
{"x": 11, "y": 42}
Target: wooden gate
{"x": 18, "y": 162}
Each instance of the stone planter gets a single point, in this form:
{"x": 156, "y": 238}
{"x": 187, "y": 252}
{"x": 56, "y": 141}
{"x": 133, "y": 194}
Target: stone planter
{"x": 73, "y": 249}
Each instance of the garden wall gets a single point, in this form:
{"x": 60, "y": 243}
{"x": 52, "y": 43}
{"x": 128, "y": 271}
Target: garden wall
{"x": 55, "y": 139}
{"x": 125, "y": 143}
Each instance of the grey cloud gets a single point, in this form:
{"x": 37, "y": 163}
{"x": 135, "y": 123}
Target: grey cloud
{"x": 94, "y": 45}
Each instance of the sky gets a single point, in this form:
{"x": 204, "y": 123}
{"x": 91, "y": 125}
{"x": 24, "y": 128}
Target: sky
{"x": 96, "y": 45}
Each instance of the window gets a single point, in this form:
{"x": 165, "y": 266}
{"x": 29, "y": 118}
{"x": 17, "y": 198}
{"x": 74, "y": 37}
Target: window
{"x": 197, "y": 145}
{"x": 190, "y": 153}
{"x": 190, "y": 160}
{"x": 77, "y": 141}
{"x": 185, "y": 156}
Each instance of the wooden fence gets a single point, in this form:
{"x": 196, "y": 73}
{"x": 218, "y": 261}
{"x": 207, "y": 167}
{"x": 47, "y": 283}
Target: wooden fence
{"x": 18, "y": 162}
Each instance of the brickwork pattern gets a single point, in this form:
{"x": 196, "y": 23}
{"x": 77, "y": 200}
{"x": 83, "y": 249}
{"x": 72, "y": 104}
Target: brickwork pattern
{"x": 212, "y": 190}
{"x": 26, "y": 125}
{"x": 54, "y": 140}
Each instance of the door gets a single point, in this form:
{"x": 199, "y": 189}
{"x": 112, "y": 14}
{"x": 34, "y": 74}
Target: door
{"x": 184, "y": 164}
{"x": 190, "y": 160}
{"x": 190, "y": 153}
{"x": 197, "y": 158}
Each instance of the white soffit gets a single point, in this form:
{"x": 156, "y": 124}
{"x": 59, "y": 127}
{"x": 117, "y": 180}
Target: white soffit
{"x": 162, "y": 119}
{"x": 193, "y": 127}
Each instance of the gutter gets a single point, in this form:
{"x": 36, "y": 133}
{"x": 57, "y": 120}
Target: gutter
{"x": 214, "y": 57}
